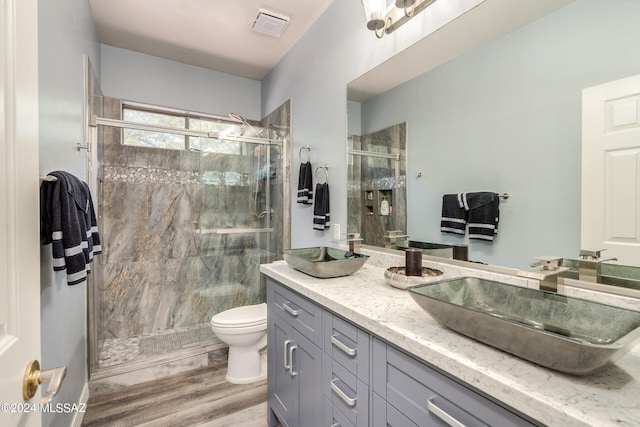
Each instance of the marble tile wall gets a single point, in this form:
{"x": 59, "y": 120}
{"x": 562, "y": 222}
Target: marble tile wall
{"x": 161, "y": 269}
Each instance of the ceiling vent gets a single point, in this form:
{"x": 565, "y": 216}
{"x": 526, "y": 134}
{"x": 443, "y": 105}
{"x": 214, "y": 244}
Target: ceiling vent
{"x": 269, "y": 23}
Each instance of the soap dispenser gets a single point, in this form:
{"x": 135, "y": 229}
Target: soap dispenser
{"x": 384, "y": 206}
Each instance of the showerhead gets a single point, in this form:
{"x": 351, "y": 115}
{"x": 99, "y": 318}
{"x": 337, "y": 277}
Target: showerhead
{"x": 239, "y": 118}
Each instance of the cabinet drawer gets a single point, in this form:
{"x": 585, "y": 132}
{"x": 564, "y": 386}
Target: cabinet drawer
{"x": 425, "y": 396}
{"x": 347, "y": 394}
{"x": 301, "y": 313}
{"x": 333, "y": 417}
{"x": 385, "y": 415}
{"x": 347, "y": 345}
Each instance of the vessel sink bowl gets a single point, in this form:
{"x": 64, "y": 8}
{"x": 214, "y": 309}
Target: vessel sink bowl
{"x": 562, "y": 333}
{"x": 324, "y": 262}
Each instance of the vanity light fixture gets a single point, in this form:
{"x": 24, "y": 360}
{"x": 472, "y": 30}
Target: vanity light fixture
{"x": 386, "y": 16}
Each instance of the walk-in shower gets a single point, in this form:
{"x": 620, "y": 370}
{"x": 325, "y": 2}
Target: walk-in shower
{"x": 184, "y": 232}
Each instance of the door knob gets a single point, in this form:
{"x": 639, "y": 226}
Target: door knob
{"x": 33, "y": 377}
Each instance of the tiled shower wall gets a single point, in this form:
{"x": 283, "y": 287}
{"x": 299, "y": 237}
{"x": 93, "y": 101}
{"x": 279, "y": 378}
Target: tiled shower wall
{"x": 159, "y": 270}
{"x": 369, "y": 174}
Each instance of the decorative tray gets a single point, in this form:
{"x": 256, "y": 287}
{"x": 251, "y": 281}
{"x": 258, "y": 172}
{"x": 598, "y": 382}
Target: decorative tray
{"x": 396, "y": 277}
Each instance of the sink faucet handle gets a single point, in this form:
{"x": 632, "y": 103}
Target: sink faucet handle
{"x": 549, "y": 262}
{"x": 590, "y": 253}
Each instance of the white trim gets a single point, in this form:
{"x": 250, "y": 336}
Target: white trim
{"x": 82, "y": 403}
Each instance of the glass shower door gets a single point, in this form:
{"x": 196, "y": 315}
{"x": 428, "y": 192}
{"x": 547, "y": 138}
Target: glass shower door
{"x": 237, "y": 222}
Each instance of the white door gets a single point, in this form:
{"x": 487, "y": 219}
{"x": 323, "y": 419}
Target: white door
{"x": 19, "y": 208}
{"x": 611, "y": 169}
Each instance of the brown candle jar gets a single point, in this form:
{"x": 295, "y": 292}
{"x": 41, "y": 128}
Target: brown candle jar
{"x": 413, "y": 262}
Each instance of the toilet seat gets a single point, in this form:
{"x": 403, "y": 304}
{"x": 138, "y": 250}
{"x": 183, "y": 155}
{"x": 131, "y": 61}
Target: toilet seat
{"x": 241, "y": 317}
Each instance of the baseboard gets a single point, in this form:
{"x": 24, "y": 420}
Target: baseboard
{"x": 84, "y": 398}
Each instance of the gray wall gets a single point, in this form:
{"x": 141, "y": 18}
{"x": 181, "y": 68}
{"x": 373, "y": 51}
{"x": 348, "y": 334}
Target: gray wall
{"x": 532, "y": 79}
{"x": 314, "y": 75}
{"x": 138, "y": 77}
{"x": 66, "y": 34}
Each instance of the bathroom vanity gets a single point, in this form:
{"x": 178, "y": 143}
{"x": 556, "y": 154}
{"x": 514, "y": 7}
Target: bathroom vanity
{"x": 354, "y": 351}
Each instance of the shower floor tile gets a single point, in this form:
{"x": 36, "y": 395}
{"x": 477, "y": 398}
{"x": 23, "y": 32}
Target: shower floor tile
{"x": 115, "y": 351}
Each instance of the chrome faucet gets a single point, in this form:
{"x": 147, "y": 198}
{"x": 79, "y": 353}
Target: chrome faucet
{"x": 546, "y": 270}
{"x": 355, "y": 241}
{"x": 589, "y": 265}
{"x": 391, "y": 239}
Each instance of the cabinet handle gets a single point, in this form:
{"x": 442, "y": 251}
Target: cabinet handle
{"x": 341, "y": 394}
{"x": 290, "y": 310}
{"x": 291, "y": 372}
{"x": 335, "y": 425}
{"x": 440, "y": 413}
{"x": 348, "y": 350}
{"x": 287, "y": 365}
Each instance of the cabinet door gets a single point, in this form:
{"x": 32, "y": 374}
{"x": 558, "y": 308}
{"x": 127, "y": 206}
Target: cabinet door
{"x": 280, "y": 381}
{"x": 306, "y": 359}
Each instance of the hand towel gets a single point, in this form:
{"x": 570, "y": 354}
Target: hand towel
{"x": 453, "y": 215}
{"x": 305, "y": 183}
{"x": 68, "y": 221}
{"x": 483, "y": 214}
{"x": 321, "y": 216}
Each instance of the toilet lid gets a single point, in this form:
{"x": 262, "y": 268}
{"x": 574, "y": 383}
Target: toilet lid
{"x": 248, "y": 315}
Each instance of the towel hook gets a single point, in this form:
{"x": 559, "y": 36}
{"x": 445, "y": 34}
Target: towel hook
{"x": 326, "y": 174}
{"x": 308, "y": 148}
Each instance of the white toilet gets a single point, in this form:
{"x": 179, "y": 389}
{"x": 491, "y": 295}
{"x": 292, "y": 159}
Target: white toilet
{"x": 244, "y": 329}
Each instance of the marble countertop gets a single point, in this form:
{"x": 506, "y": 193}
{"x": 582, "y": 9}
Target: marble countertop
{"x": 610, "y": 397}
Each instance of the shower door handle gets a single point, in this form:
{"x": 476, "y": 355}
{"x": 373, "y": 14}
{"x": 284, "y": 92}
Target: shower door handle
{"x": 233, "y": 230}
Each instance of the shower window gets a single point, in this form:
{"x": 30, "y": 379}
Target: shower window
{"x": 183, "y": 120}
{"x": 143, "y": 138}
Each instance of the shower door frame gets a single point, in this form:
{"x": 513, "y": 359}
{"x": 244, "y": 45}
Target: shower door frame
{"x": 93, "y": 121}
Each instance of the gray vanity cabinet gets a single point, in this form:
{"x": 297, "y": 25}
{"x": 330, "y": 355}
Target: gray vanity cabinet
{"x": 325, "y": 371}
{"x": 407, "y": 392}
{"x": 295, "y": 359}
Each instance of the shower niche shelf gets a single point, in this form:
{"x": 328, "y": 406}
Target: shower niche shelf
{"x": 372, "y": 200}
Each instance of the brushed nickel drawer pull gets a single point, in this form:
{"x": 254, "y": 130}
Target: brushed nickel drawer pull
{"x": 440, "y": 413}
{"x": 291, "y": 372}
{"x": 348, "y": 350}
{"x": 290, "y": 310}
{"x": 341, "y": 394}
{"x": 287, "y": 365}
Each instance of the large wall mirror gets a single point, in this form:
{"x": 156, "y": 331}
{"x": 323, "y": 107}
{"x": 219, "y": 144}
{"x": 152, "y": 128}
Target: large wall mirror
{"x": 506, "y": 117}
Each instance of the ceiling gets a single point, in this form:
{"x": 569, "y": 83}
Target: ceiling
{"x": 213, "y": 34}
{"x": 216, "y": 34}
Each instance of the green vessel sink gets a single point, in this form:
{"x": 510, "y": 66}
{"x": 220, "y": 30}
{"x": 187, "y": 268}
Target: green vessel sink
{"x": 562, "y": 333}
{"x": 324, "y": 262}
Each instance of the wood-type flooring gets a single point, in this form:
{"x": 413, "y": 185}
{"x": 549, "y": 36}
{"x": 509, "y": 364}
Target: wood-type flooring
{"x": 199, "y": 397}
